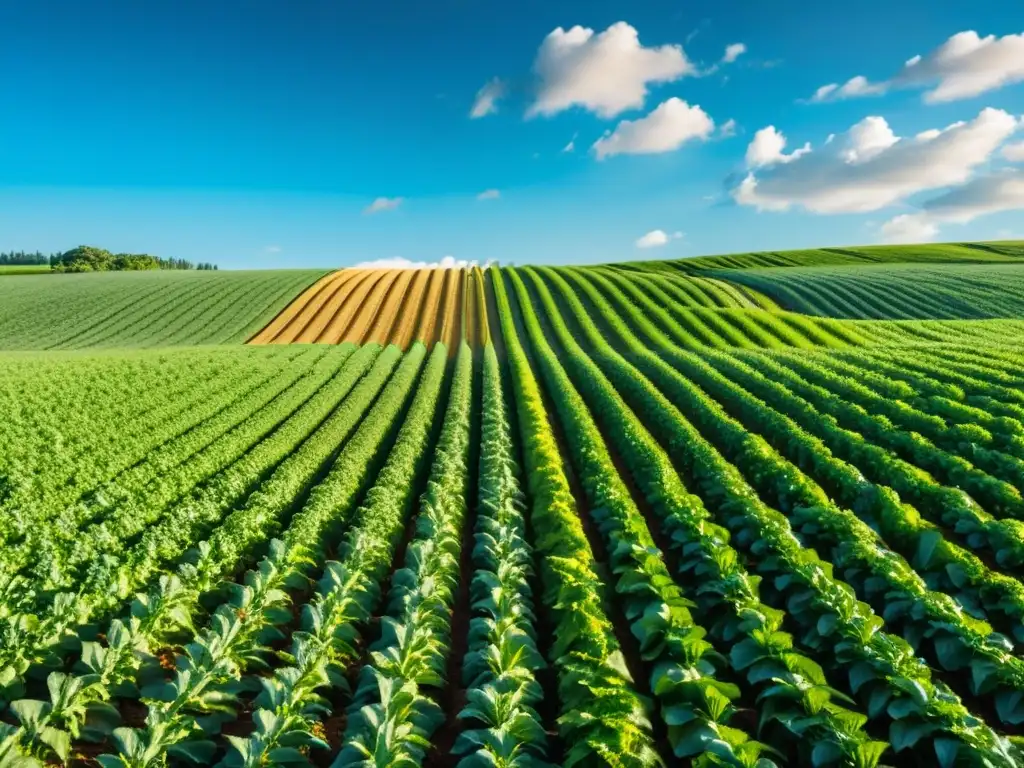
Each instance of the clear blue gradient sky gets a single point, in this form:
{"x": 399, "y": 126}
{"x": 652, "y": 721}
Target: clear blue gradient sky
{"x": 256, "y": 133}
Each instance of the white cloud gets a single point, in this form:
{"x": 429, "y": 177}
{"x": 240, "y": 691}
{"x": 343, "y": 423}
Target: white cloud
{"x": 1014, "y": 152}
{"x": 398, "y": 262}
{"x": 964, "y": 66}
{"x": 571, "y": 146}
{"x": 667, "y": 127}
{"x": 605, "y": 73}
{"x": 727, "y": 129}
{"x": 486, "y": 102}
{"x": 984, "y": 195}
{"x": 869, "y": 167}
{"x": 766, "y": 149}
{"x": 272, "y": 249}
{"x": 733, "y": 52}
{"x": 870, "y": 137}
{"x": 852, "y": 88}
{"x": 657, "y": 238}
{"x": 824, "y": 92}
{"x": 909, "y": 228}
{"x": 383, "y": 204}
{"x": 489, "y": 194}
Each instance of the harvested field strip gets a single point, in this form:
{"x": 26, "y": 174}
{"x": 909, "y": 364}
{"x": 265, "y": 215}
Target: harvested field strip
{"x": 354, "y": 303}
{"x": 341, "y": 289}
{"x": 482, "y": 324}
{"x": 365, "y": 318}
{"x": 408, "y": 317}
{"x": 383, "y": 306}
{"x": 280, "y": 324}
{"x": 470, "y": 308}
{"x": 427, "y": 322}
{"x": 306, "y": 319}
{"x": 385, "y": 324}
{"x": 451, "y": 324}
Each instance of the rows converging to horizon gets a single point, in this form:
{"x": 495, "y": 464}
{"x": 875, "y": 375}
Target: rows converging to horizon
{"x": 634, "y": 514}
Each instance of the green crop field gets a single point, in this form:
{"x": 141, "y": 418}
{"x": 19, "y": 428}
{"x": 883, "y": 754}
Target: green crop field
{"x": 896, "y": 292}
{"x": 1000, "y": 252}
{"x": 23, "y": 269}
{"x": 143, "y": 309}
{"x": 631, "y": 515}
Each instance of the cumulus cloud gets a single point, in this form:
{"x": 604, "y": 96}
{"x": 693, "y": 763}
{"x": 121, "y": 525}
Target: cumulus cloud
{"x": 727, "y": 129}
{"x": 766, "y": 149}
{"x": 733, "y": 52}
{"x": 869, "y": 167}
{"x": 606, "y": 72}
{"x": 982, "y": 196}
{"x": 657, "y": 238}
{"x": 965, "y": 65}
{"x": 489, "y": 194}
{"x": 909, "y": 228}
{"x": 486, "y": 102}
{"x": 398, "y": 262}
{"x": 852, "y": 88}
{"x": 671, "y": 124}
{"x": 1014, "y": 152}
{"x": 870, "y": 137}
{"x": 383, "y": 204}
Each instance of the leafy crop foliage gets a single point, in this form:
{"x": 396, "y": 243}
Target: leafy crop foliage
{"x": 630, "y": 517}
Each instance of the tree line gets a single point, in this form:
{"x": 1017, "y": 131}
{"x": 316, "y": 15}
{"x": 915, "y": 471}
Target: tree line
{"x": 87, "y": 258}
{"x": 24, "y": 258}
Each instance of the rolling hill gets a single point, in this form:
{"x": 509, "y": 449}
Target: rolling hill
{"x": 626, "y": 515}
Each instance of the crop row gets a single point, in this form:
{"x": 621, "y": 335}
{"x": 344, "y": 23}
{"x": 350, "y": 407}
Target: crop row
{"x": 889, "y": 292}
{"x": 753, "y": 465}
{"x": 729, "y": 554}
{"x": 143, "y": 309}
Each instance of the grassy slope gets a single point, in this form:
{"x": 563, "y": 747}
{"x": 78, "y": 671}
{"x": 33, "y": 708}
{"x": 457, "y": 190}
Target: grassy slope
{"x": 741, "y": 453}
{"x": 143, "y": 309}
{"x": 131, "y": 310}
{"x": 24, "y": 269}
{"x": 999, "y": 252}
{"x": 893, "y": 291}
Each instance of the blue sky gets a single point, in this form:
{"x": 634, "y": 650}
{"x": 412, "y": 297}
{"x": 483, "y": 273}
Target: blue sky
{"x": 257, "y": 133}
